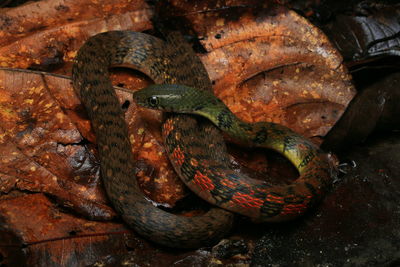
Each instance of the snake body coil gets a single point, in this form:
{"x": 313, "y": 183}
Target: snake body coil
{"x": 195, "y": 147}
{"x": 214, "y": 181}
{"x": 171, "y": 62}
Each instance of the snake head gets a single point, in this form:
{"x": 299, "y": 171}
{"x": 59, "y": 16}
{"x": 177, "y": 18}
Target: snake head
{"x": 171, "y": 98}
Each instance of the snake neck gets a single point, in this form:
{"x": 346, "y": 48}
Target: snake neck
{"x": 298, "y": 150}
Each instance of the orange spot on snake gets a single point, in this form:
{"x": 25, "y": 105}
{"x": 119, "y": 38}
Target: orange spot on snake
{"x": 294, "y": 208}
{"x": 274, "y": 199}
{"x": 167, "y": 127}
{"x": 203, "y": 181}
{"x": 194, "y": 162}
{"x": 262, "y": 190}
{"x": 247, "y": 201}
{"x": 228, "y": 183}
{"x": 178, "y": 156}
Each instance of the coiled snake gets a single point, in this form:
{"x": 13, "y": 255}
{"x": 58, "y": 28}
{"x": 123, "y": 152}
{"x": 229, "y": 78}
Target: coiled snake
{"x": 197, "y": 151}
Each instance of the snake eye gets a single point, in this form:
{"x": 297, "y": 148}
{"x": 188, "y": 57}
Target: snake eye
{"x": 152, "y": 101}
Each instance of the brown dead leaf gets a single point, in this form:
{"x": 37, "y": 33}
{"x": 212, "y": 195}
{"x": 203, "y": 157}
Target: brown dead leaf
{"x": 25, "y": 20}
{"x": 64, "y": 238}
{"x": 44, "y": 35}
{"x": 258, "y": 71}
{"x": 43, "y": 150}
{"x": 36, "y": 43}
{"x": 39, "y": 145}
{"x": 280, "y": 69}
{"x": 270, "y": 64}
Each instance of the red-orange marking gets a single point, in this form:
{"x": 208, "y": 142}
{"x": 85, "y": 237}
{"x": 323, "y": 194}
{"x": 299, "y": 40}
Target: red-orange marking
{"x": 274, "y": 199}
{"x": 194, "y": 162}
{"x": 203, "y": 181}
{"x": 228, "y": 183}
{"x": 262, "y": 190}
{"x": 167, "y": 127}
{"x": 294, "y": 208}
{"x": 178, "y": 156}
{"x": 177, "y": 136}
{"x": 247, "y": 201}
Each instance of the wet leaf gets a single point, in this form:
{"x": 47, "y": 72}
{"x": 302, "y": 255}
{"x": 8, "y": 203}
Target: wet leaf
{"x": 360, "y": 38}
{"x": 44, "y": 130}
{"x": 45, "y": 34}
{"x": 51, "y": 235}
{"x": 374, "y": 109}
{"x": 40, "y": 146}
{"x": 278, "y": 67}
{"x": 68, "y": 33}
{"x": 43, "y": 121}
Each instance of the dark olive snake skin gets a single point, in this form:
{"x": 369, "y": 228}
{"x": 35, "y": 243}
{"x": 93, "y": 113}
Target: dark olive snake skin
{"x": 171, "y": 62}
{"x": 195, "y": 147}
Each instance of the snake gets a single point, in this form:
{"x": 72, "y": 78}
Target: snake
{"x": 214, "y": 181}
{"x": 170, "y": 61}
{"x": 193, "y": 143}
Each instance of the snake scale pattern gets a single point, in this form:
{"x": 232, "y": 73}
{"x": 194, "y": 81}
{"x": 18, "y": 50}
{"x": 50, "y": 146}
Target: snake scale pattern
{"x": 195, "y": 146}
{"x": 162, "y": 62}
{"x": 213, "y": 179}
